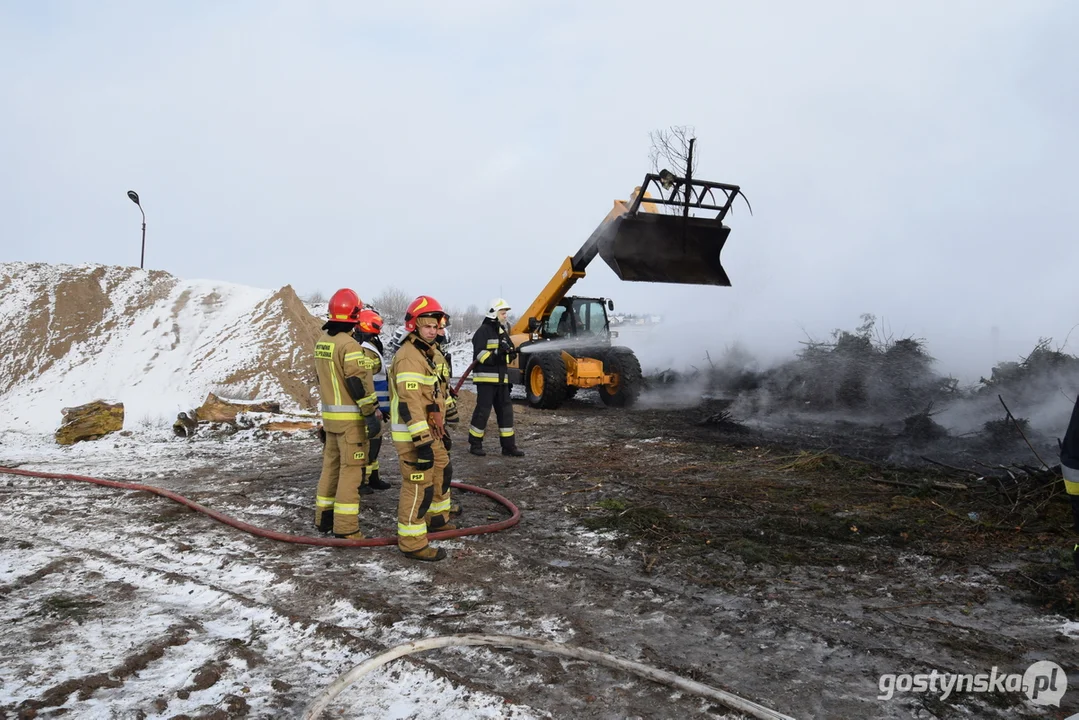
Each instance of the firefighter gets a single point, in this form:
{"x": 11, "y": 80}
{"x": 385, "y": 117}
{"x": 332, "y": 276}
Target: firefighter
{"x": 417, "y": 426}
{"x": 367, "y": 334}
{"x": 1069, "y": 466}
{"x": 349, "y": 417}
{"x": 492, "y": 351}
{"x": 444, "y": 370}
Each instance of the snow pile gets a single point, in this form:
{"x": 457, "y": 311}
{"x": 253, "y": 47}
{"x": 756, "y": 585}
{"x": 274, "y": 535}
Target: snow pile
{"x": 73, "y": 334}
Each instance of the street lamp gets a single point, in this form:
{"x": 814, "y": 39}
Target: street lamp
{"x": 135, "y": 199}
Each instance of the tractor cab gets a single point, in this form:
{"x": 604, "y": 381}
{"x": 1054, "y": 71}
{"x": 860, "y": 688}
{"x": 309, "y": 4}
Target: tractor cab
{"x": 579, "y": 318}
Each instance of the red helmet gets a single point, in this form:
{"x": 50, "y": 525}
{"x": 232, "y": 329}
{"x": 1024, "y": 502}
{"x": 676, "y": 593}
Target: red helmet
{"x": 423, "y": 305}
{"x": 345, "y": 306}
{"x": 370, "y": 322}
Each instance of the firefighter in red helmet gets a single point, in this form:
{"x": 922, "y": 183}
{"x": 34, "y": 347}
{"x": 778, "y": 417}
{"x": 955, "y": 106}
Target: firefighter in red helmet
{"x": 349, "y": 417}
{"x": 417, "y": 409}
{"x": 367, "y": 334}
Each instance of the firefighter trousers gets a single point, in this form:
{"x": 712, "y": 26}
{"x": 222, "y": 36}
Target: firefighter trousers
{"x": 439, "y": 514}
{"x": 337, "y": 499}
{"x": 415, "y": 508}
{"x": 371, "y": 470}
{"x": 490, "y": 395}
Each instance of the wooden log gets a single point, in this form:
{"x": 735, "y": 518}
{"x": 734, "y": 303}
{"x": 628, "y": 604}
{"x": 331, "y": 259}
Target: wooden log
{"x": 216, "y": 410}
{"x": 90, "y": 421}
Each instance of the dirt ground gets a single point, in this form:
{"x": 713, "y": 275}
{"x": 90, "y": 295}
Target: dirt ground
{"x": 779, "y": 571}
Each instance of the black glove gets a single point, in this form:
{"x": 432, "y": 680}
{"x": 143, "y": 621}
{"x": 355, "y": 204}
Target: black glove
{"x": 374, "y": 425}
{"x": 425, "y": 457}
{"x": 447, "y": 442}
{"x": 321, "y": 435}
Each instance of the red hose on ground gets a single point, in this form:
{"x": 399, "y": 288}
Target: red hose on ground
{"x": 515, "y": 513}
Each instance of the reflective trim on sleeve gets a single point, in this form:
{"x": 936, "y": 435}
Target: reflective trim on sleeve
{"x": 416, "y": 377}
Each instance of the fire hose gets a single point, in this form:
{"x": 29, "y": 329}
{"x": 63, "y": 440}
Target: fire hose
{"x": 316, "y": 708}
{"x": 515, "y": 513}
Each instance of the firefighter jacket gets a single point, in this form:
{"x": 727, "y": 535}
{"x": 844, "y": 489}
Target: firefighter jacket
{"x": 414, "y": 392}
{"x": 382, "y": 387}
{"x": 444, "y": 371}
{"x": 491, "y": 346}
{"x": 1069, "y": 453}
{"x": 345, "y": 383}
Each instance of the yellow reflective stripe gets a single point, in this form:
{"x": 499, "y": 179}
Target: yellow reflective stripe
{"x": 398, "y": 436}
{"x": 323, "y": 502}
{"x": 417, "y": 427}
{"x": 484, "y": 378}
{"x": 483, "y": 356}
{"x": 1071, "y": 487}
{"x": 503, "y": 432}
{"x": 475, "y": 431}
{"x": 411, "y": 530}
{"x": 372, "y": 398}
{"x": 346, "y": 508}
{"x": 349, "y": 357}
{"x": 492, "y": 344}
{"x": 440, "y": 507}
{"x": 417, "y": 377}
{"x": 342, "y": 416}
{"x": 336, "y": 387}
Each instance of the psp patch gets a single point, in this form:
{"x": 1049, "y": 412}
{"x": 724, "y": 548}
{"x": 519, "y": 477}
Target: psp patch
{"x": 412, "y": 385}
{"x": 358, "y": 455}
{"x": 416, "y": 477}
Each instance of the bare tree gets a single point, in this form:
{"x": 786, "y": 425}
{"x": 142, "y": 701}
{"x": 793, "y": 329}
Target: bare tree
{"x": 671, "y": 147}
{"x": 315, "y": 298}
{"x": 470, "y": 319}
{"x": 391, "y": 304}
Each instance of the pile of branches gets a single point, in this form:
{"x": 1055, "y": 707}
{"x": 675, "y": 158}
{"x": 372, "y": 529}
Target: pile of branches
{"x": 861, "y": 370}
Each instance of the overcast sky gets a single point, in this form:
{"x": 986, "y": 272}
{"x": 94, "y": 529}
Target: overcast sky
{"x": 914, "y": 160}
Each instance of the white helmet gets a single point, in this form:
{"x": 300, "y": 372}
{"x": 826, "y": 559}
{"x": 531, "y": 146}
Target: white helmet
{"x": 496, "y": 305}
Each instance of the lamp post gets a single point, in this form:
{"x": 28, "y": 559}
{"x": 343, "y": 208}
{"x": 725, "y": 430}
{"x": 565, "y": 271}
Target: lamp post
{"x": 135, "y": 199}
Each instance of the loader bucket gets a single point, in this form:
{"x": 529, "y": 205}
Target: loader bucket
{"x": 655, "y": 247}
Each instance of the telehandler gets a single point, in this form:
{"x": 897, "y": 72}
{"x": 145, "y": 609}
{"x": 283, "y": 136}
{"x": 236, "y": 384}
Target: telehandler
{"x": 563, "y": 343}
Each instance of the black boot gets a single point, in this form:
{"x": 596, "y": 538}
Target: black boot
{"x": 513, "y": 451}
{"x": 376, "y": 482}
{"x": 476, "y": 449}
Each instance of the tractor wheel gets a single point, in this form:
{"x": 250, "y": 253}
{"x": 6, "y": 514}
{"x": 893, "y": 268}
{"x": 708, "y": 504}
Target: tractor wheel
{"x": 624, "y": 392}
{"x": 545, "y": 380}
{"x": 571, "y": 391}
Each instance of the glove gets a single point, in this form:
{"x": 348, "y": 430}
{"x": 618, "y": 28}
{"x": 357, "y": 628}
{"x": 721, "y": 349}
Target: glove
{"x": 425, "y": 457}
{"x": 447, "y": 441}
{"x": 374, "y": 425}
{"x": 321, "y": 435}
{"x": 453, "y": 392}
{"x": 438, "y": 427}
{"x": 385, "y": 416}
